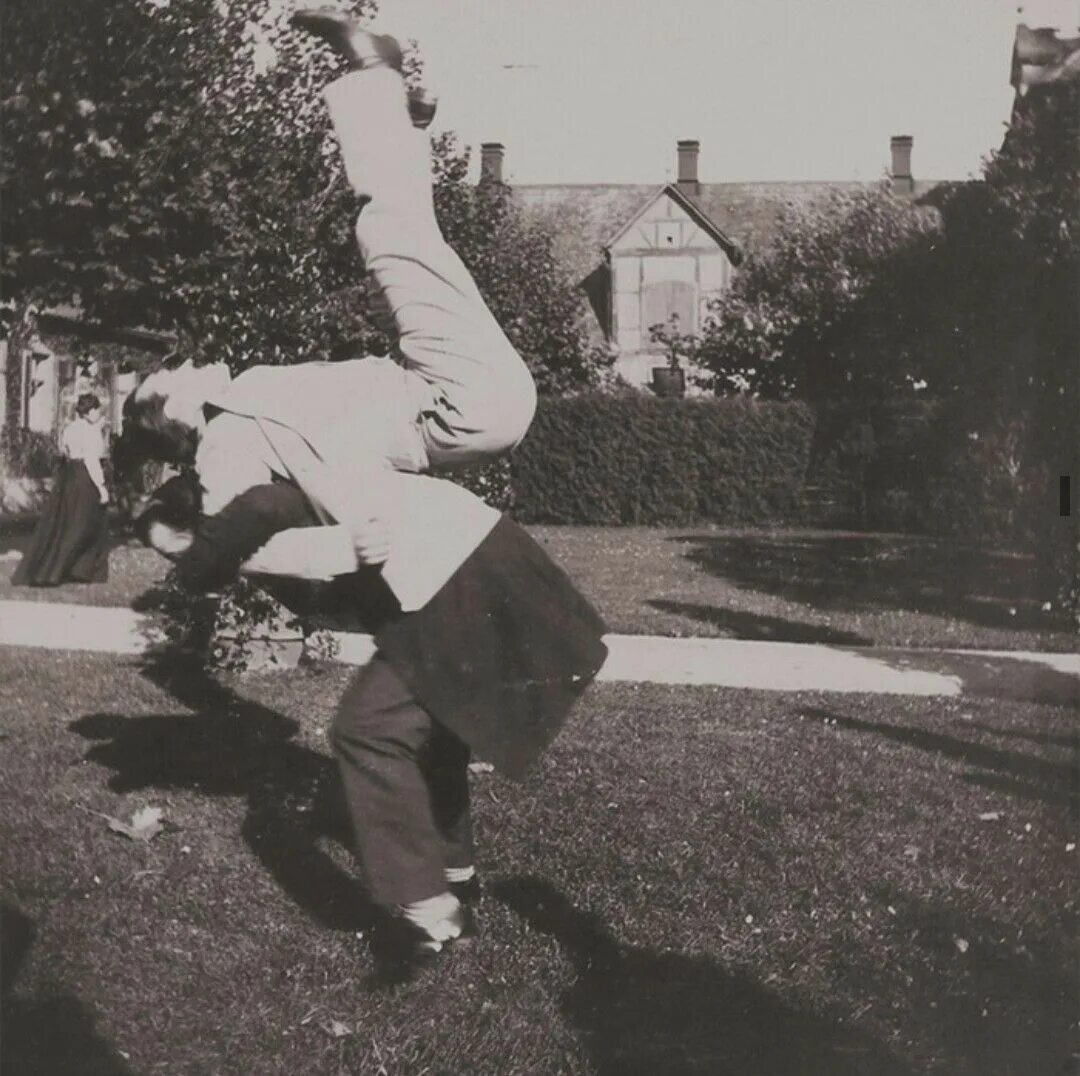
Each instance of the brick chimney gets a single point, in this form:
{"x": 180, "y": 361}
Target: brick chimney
{"x": 902, "y": 181}
{"x": 688, "y": 181}
{"x": 491, "y": 162}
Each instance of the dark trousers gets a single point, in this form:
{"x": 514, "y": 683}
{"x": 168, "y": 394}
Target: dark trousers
{"x": 406, "y": 785}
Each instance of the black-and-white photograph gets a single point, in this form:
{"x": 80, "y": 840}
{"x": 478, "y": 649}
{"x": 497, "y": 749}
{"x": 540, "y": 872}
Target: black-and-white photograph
{"x": 539, "y": 538}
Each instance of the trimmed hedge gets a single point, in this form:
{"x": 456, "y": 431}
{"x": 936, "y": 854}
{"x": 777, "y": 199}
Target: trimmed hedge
{"x": 605, "y": 459}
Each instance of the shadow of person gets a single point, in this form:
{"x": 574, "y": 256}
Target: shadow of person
{"x": 856, "y": 572}
{"x": 743, "y": 625}
{"x": 45, "y": 1035}
{"x": 1009, "y": 1007}
{"x": 645, "y": 1013}
{"x": 231, "y": 746}
{"x": 1015, "y": 772}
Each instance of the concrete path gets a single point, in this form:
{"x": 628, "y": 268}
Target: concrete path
{"x": 763, "y": 666}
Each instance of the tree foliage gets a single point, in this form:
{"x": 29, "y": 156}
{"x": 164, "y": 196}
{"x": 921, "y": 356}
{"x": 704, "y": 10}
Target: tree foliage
{"x": 971, "y": 288}
{"x": 799, "y": 317}
{"x": 513, "y": 262}
{"x": 167, "y": 164}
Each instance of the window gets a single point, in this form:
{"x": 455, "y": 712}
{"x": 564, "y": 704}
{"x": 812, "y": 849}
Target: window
{"x": 666, "y": 297}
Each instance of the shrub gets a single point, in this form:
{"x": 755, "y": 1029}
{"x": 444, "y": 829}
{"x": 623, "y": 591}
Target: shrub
{"x": 28, "y": 453}
{"x": 491, "y": 482}
{"x": 606, "y": 459}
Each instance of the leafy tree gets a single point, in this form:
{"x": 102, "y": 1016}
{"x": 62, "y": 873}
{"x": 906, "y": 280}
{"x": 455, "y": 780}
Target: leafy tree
{"x": 512, "y": 260}
{"x": 787, "y": 326}
{"x": 160, "y": 171}
{"x": 167, "y": 164}
{"x": 968, "y": 303}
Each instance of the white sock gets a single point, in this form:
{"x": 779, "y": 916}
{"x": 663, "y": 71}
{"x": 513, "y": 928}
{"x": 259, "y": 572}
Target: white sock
{"x": 459, "y": 874}
{"x": 437, "y": 916}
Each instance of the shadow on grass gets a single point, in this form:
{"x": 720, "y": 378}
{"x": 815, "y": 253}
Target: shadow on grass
{"x": 1007, "y": 1006}
{"x": 231, "y": 746}
{"x": 644, "y": 1013}
{"x": 870, "y": 572}
{"x": 49, "y": 1035}
{"x": 743, "y": 625}
{"x": 1046, "y": 739}
{"x": 1019, "y": 774}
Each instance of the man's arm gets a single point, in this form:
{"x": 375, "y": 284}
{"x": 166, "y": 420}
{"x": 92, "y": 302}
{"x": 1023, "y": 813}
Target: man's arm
{"x": 224, "y": 541}
{"x": 231, "y": 458}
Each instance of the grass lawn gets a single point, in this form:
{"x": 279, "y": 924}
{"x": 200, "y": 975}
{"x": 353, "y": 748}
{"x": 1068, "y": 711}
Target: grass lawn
{"x": 696, "y": 881}
{"x": 798, "y": 586}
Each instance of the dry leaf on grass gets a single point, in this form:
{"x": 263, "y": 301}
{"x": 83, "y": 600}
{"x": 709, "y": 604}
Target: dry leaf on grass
{"x": 145, "y": 824}
{"x": 337, "y": 1029}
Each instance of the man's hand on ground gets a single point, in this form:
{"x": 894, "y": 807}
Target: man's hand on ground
{"x": 169, "y": 541}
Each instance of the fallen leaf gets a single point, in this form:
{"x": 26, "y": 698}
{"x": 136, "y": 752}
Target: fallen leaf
{"x": 989, "y": 816}
{"x": 145, "y": 824}
{"x": 337, "y": 1029}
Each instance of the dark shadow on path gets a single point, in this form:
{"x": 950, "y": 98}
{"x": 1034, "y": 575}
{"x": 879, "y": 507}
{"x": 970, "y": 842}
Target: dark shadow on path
{"x": 644, "y": 1013}
{"x": 992, "y": 676}
{"x": 45, "y": 1036}
{"x": 1021, "y": 774}
{"x": 742, "y": 625}
{"x": 231, "y": 746}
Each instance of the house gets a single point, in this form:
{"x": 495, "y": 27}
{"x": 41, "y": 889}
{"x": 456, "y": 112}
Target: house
{"x": 644, "y": 253}
{"x": 66, "y": 355}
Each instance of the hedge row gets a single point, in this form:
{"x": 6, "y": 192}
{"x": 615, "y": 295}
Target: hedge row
{"x": 637, "y": 459}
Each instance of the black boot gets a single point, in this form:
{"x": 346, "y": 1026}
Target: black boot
{"x": 344, "y": 35}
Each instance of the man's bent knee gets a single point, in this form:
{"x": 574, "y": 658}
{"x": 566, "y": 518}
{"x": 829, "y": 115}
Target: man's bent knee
{"x": 514, "y": 410}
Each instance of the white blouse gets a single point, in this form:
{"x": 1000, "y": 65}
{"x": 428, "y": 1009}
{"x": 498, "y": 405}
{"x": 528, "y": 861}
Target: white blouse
{"x": 83, "y": 440}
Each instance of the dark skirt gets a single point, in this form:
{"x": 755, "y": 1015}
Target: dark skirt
{"x": 501, "y": 654}
{"x": 71, "y": 541}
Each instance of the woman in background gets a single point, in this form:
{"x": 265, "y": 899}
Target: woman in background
{"x": 70, "y": 543}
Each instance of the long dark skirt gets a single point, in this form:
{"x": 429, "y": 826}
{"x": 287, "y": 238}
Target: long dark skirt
{"x": 71, "y": 541}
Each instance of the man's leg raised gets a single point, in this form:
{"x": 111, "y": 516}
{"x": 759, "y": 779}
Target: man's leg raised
{"x": 480, "y": 396}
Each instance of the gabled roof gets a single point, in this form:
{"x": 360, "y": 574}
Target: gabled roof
{"x": 584, "y": 218}
{"x": 691, "y": 208}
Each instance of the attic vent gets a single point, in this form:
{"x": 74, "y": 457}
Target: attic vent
{"x": 668, "y": 234}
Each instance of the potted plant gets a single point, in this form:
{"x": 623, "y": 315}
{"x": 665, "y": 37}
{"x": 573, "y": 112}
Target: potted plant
{"x": 670, "y": 379}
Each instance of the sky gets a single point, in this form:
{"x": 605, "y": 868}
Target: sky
{"x": 598, "y": 91}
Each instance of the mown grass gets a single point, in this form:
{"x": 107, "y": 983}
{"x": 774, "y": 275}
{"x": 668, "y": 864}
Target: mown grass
{"x": 695, "y": 881}
{"x": 797, "y": 586}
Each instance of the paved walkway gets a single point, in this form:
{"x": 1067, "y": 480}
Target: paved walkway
{"x": 764, "y": 666}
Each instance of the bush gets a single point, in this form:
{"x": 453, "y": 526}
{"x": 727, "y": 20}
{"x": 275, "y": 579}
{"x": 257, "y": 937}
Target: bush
{"x": 491, "y": 482}
{"x": 28, "y": 454}
{"x": 605, "y": 459}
